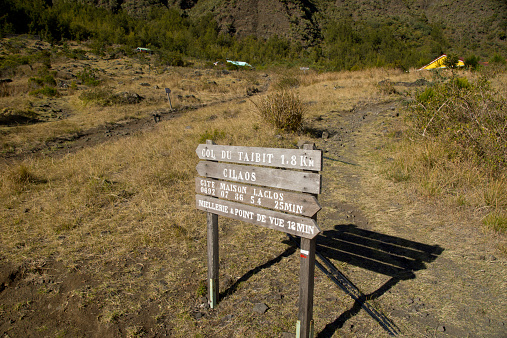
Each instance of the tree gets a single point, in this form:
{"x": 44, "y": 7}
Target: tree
{"x": 472, "y": 62}
{"x": 451, "y": 61}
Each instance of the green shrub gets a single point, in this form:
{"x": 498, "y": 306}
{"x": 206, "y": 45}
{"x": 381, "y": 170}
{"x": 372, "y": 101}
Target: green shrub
{"x": 89, "y": 77}
{"x": 231, "y": 66}
{"x": 451, "y": 61}
{"x": 284, "y": 110}
{"x": 461, "y": 83}
{"x": 214, "y": 135}
{"x": 46, "y": 91}
{"x": 171, "y": 59}
{"x": 497, "y": 58}
{"x": 426, "y": 96}
{"x": 45, "y": 79}
{"x": 36, "y": 81}
{"x": 9, "y": 63}
{"x": 472, "y": 62}
{"x": 76, "y": 54}
{"x": 469, "y": 117}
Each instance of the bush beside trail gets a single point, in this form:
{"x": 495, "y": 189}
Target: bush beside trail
{"x": 456, "y": 146}
{"x": 284, "y": 110}
{"x": 469, "y": 117}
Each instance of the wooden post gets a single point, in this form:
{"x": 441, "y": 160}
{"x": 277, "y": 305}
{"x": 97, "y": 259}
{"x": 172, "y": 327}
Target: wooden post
{"x": 213, "y": 257}
{"x": 212, "y": 220}
{"x": 168, "y": 92}
{"x": 304, "y": 326}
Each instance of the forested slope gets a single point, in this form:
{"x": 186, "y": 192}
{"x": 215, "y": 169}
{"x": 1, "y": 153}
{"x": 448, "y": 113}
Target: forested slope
{"x": 346, "y": 34}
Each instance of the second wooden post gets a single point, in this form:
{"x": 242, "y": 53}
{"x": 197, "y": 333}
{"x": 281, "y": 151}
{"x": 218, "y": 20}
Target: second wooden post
{"x": 304, "y": 326}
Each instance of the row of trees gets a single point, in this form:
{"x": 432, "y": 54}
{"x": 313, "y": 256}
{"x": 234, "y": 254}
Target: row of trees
{"x": 345, "y": 44}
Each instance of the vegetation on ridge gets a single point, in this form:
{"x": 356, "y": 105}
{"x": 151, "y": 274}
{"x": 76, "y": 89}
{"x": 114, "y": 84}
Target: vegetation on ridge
{"x": 342, "y": 43}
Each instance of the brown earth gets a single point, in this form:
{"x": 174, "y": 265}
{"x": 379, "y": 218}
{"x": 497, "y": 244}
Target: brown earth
{"x": 426, "y": 266}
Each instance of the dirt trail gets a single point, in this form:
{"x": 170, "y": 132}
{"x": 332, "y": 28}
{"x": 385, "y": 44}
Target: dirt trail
{"x": 427, "y": 266}
{"x": 63, "y": 145}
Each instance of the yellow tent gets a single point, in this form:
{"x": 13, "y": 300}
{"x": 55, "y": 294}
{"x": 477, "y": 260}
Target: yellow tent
{"x": 439, "y": 63}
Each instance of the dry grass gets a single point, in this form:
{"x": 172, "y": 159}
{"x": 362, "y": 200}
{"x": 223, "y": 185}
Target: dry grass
{"x": 436, "y": 170}
{"x": 124, "y": 211}
{"x": 128, "y": 182}
{"x": 102, "y": 209}
{"x": 190, "y": 88}
{"x": 283, "y": 110}
{"x": 96, "y": 208}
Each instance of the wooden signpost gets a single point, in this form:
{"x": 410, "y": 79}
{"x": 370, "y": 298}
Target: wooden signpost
{"x": 244, "y": 191}
{"x": 294, "y": 225}
{"x": 168, "y": 92}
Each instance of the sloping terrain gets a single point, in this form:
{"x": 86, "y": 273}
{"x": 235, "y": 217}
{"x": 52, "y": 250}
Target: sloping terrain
{"x": 478, "y": 27}
{"x": 102, "y": 238}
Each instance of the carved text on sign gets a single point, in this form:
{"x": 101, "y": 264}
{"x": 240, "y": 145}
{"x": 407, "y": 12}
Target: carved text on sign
{"x": 287, "y": 201}
{"x": 272, "y": 157}
{"x": 292, "y": 224}
{"x": 270, "y": 177}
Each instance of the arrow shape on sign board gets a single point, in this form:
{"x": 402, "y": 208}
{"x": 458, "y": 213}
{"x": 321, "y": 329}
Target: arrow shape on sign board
{"x": 286, "y": 201}
{"x": 304, "y": 159}
{"x": 292, "y": 224}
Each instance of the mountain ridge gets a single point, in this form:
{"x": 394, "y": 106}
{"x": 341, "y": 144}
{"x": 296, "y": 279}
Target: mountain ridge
{"x": 328, "y": 35}
{"x": 467, "y": 24}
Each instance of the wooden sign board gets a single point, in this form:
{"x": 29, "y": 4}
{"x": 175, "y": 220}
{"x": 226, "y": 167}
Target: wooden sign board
{"x": 295, "y": 225}
{"x": 271, "y": 157}
{"x": 225, "y": 181}
{"x": 275, "y": 178}
{"x": 286, "y": 201}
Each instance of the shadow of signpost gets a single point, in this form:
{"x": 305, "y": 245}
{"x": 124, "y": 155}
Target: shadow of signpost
{"x": 384, "y": 254}
{"x": 231, "y": 289}
{"x": 388, "y": 255}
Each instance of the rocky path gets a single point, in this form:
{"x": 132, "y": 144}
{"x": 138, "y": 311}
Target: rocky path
{"x": 71, "y": 143}
{"x": 427, "y": 266}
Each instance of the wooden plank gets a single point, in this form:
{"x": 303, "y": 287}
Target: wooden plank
{"x": 275, "y": 178}
{"x": 286, "y": 201}
{"x": 271, "y": 157}
{"x": 292, "y": 224}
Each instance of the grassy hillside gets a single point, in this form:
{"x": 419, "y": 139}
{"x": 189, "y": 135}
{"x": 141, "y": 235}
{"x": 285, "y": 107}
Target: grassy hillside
{"x": 324, "y": 34}
{"x": 100, "y": 235}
